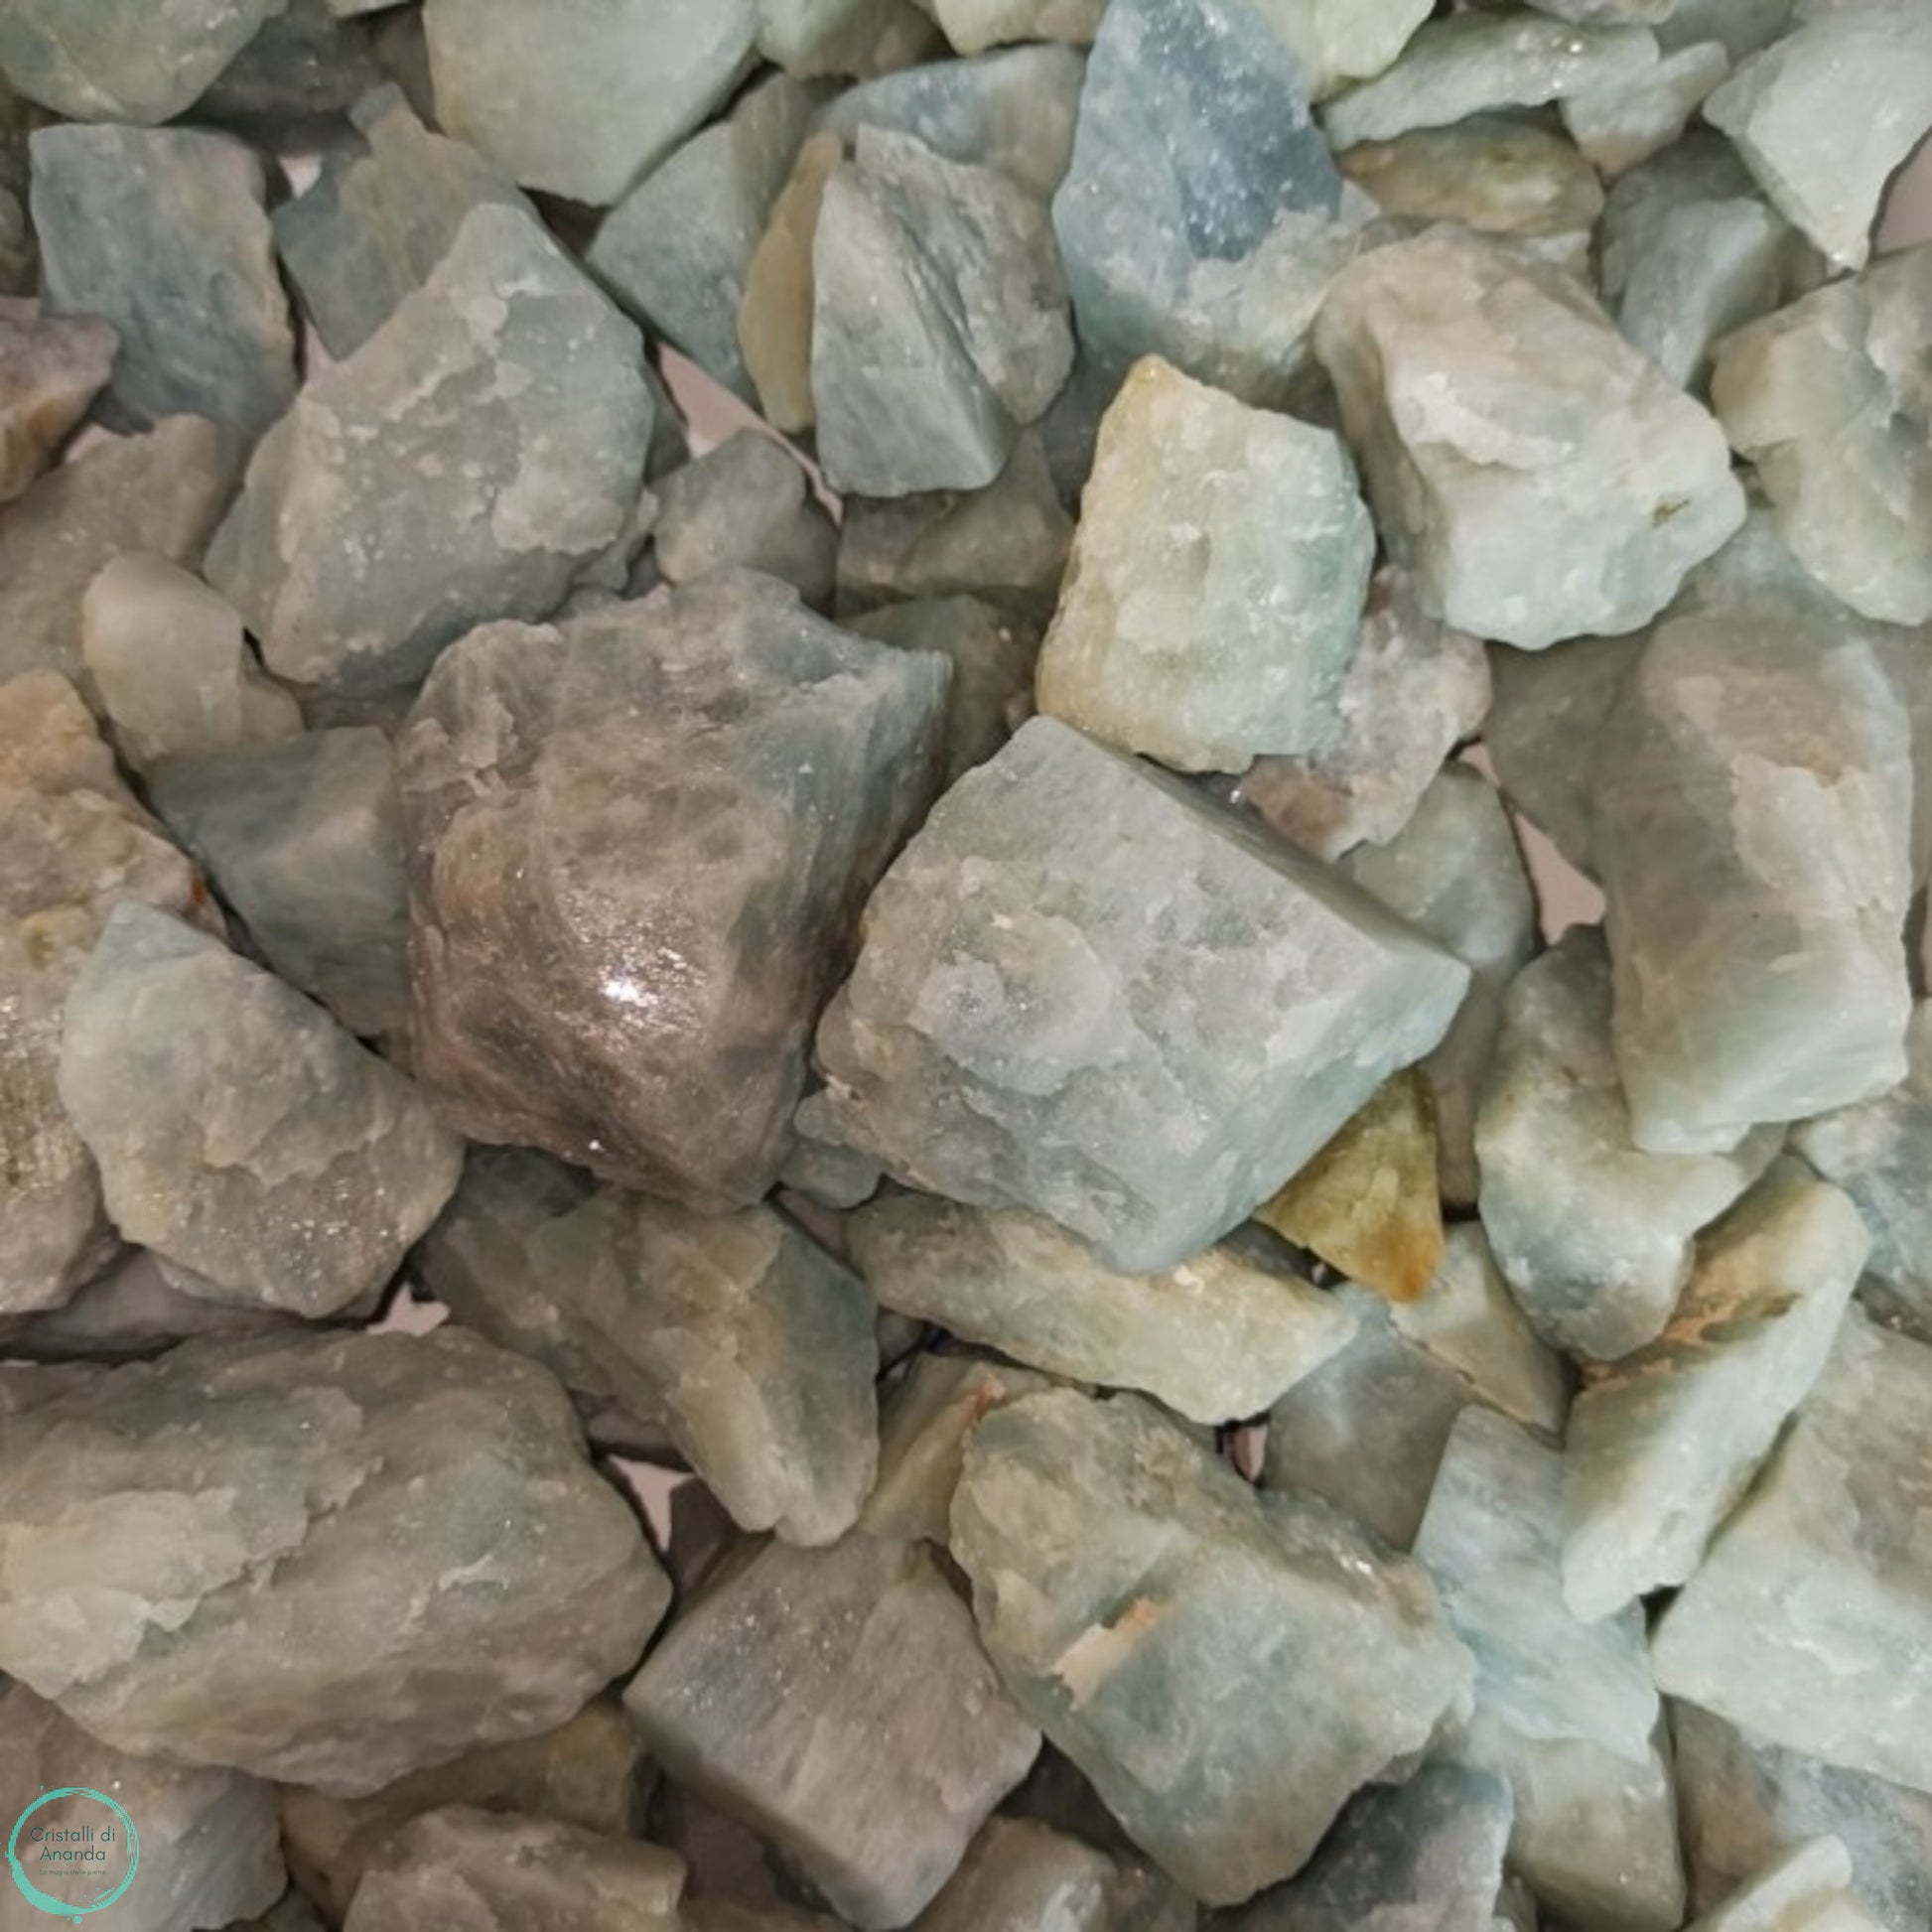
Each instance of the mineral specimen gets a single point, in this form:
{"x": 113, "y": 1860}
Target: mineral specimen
{"x": 1226, "y": 1667}
{"x": 1339, "y": 41}
{"x": 1484, "y": 395}
{"x": 323, "y": 1560}
{"x": 973, "y": 26}
{"x": 1144, "y": 1062}
{"x": 639, "y": 843}
{"x": 1217, "y": 580}
{"x": 1621, "y": 122}
{"x": 837, "y": 1701}
{"x": 1020, "y": 1876}
{"x": 1806, "y": 1890}
{"x": 747, "y": 503}
{"x": 488, "y": 439}
{"x": 133, "y": 1308}
{"x": 51, "y": 368}
{"x": 239, "y": 1132}
{"x": 775, "y": 313}
{"x": 814, "y": 37}
{"x": 1214, "y": 1339}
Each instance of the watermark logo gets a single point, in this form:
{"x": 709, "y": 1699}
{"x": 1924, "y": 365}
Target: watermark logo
{"x": 73, "y": 1852}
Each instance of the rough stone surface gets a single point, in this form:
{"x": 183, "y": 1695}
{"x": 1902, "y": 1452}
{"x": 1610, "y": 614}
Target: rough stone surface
{"x": 306, "y": 67}
{"x": 325, "y": 1560}
{"x": 862, "y": 37}
{"x": 747, "y": 503}
{"x": 973, "y": 26}
{"x": 487, "y": 440}
{"x": 51, "y": 368}
{"x": 775, "y": 313}
{"x": 837, "y": 1701}
{"x": 1806, "y": 1890}
{"x": 1337, "y": 42}
{"x": 1019, "y": 1876}
{"x": 1621, "y": 122}
{"x": 1593, "y": 1234}
{"x": 1216, "y": 584}
{"x": 1485, "y": 394}
{"x": 627, "y": 975}
{"x": 1215, "y": 1338}
{"x": 239, "y": 1132}
{"x": 1142, "y": 1067}
{"x": 1227, "y": 1666}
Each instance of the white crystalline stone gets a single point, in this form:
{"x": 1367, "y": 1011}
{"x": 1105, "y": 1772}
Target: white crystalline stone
{"x": 1215, "y": 1338}
{"x": 1213, "y": 596}
{"x": 1661, "y": 1446}
{"x": 1593, "y": 1234}
{"x": 1338, "y": 42}
{"x": 1086, "y": 993}
{"x": 1806, "y": 1890}
{"x": 1810, "y": 1622}
{"x": 1227, "y": 1666}
{"x": 1825, "y": 116}
{"x": 1484, "y": 396}
{"x": 1626, "y": 121}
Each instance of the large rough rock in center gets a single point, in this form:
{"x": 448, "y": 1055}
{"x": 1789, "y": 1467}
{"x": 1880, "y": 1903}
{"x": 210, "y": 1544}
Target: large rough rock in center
{"x": 637, "y": 843}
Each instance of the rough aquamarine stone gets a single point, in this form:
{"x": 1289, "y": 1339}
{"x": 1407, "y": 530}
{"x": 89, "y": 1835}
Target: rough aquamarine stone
{"x": 1620, "y": 122}
{"x": 973, "y": 26}
{"x": 1809, "y": 1623}
{"x": 775, "y": 313}
{"x": 1367, "y": 1429}
{"x": 594, "y": 957}
{"x": 815, "y": 36}
{"x": 1566, "y": 1711}
{"x": 1806, "y": 1890}
{"x": 837, "y": 1701}
{"x": 303, "y": 838}
{"x": 1218, "y": 1337}
{"x": 1770, "y": 832}
{"x": 164, "y": 233}
{"x": 1593, "y": 1233}
{"x": 744, "y": 1340}
{"x": 1020, "y": 1874}
{"x": 326, "y": 1559}
{"x": 239, "y": 1132}
{"x": 939, "y": 320}
{"x": 1825, "y": 116}
{"x": 747, "y": 503}
{"x": 1023, "y": 1030}
{"x": 171, "y": 666}
{"x": 676, "y": 250}
{"x": 1663, "y": 1444}
{"x": 370, "y": 230}
{"x": 162, "y": 492}
{"x": 1485, "y": 394}
{"x": 209, "y": 1851}
{"x": 1227, "y": 1666}
{"x": 381, "y": 519}
{"x": 1341, "y": 41}
{"x": 1429, "y": 1852}
{"x": 1013, "y": 111}
{"x": 1457, "y": 873}
{"x": 1829, "y": 399}
{"x": 585, "y": 98}
{"x": 461, "y": 1869}
{"x": 1216, "y": 586}
{"x": 51, "y": 368}
{"x": 123, "y": 60}
{"x": 1196, "y": 216}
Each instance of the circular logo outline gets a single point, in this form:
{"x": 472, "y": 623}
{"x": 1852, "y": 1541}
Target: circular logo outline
{"x": 61, "y": 1908}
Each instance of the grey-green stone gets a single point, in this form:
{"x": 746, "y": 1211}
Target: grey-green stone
{"x": 1625, "y": 121}
{"x": 1018, "y": 1875}
{"x": 748, "y": 504}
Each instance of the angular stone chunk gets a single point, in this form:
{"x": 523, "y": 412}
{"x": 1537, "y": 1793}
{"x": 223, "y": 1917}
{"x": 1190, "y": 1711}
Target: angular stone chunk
{"x": 162, "y": 492}
{"x": 747, "y": 503}
{"x": 1662, "y": 1446}
{"x": 461, "y": 1869}
{"x": 164, "y": 233}
{"x": 373, "y": 226}
{"x": 972, "y": 26}
{"x": 627, "y": 972}
{"x": 294, "y": 83}
{"x": 326, "y": 1559}
{"x": 775, "y": 313}
{"x": 939, "y": 320}
{"x": 1227, "y": 1666}
{"x": 1429, "y": 1852}
{"x": 1485, "y": 395}
{"x": 208, "y": 1849}
{"x": 747, "y": 1341}
{"x": 815, "y": 36}
{"x": 123, "y": 60}
{"x": 1341, "y": 41}
{"x": 1215, "y": 1338}
{"x": 584, "y": 98}
{"x": 1829, "y": 399}
{"x": 1023, "y": 1030}
{"x": 303, "y": 838}
{"x": 239, "y": 1132}
{"x": 676, "y": 250}
{"x": 1019, "y": 1876}
{"x": 1216, "y": 584}
{"x": 1809, "y": 1623}
{"x": 837, "y": 1702}
{"x": 1752, "y": 805}
{"x": 1567, "y": 1712}
{"x": 461, "y": 465}
{"x": 1195, "y": 217}
{"x": 1825, "y": 116}
{"x": 1623, "y": 122}
{"x": 171, "y": 666}
{"x": 1806, "y": 1890}
{"x": 1593, "y": 1233}
{"x": 51, "y": 368}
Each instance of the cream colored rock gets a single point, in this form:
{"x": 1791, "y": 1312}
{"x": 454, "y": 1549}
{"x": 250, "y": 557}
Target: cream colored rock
{"x": 774, "y": 320}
